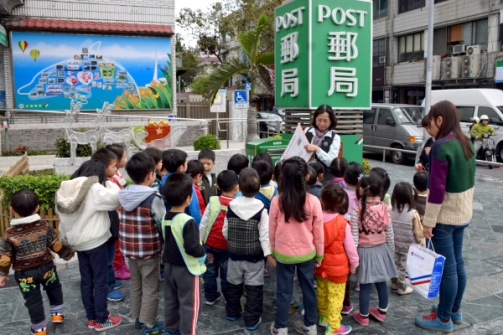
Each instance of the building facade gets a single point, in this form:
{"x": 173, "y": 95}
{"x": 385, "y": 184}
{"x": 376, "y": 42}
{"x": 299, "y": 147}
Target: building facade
{"x": 121, "y": 25}
{"x": 466, "y": 47}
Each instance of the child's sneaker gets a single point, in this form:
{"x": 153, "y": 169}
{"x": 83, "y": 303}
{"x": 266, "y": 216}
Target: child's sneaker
{"x": 91, "y": 324}
{"x": 211, "y": 303}
{"x": 234, "y": 318}
{"x": 155, "y": 329}
{"x": 432, "y": 323}
{"x": 408, "y": 290}
{"x": 137, "y": 324}
{"x": 41, "y": 331}
{"x": 118, "y": 285}
{"x": 357, "y": 287}
{"x": 115, "y": 296}
{"x": 301, "y": 329}
{"x": 347, "y": 309}
{"x": 278, "y": 331}
{"x": 295, "y": 306}
{"x": 57, "y": 317}
{"x": 378, "y": 314}
{"x": 363, "y": 320}
{"x": 111, "y": 322}
{"x": 343, "y": 329}
{"x": 255, "y": 327}
{"x": 456, "y": 317}
{"x": 322, "y": 321}
{"x": 122, "y": 275}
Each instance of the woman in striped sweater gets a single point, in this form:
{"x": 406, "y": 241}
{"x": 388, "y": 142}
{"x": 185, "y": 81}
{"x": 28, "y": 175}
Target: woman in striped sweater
{"x": 448, "y": 211}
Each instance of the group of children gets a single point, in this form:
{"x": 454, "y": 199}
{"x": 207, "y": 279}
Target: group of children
{"x": 180, "y": 222}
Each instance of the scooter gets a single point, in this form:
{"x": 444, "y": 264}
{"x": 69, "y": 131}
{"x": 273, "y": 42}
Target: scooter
{"x": 489, "y": 148}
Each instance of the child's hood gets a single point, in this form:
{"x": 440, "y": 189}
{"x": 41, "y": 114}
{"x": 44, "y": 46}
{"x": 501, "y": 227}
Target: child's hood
{"x": 72, "y": 193}
{"x": 245, "y": 207}
{"x": 268, "y": 191}
{"x": 329, "y": 216}
{"x": 134, "y": 195}
{"x": 25, "y": 220}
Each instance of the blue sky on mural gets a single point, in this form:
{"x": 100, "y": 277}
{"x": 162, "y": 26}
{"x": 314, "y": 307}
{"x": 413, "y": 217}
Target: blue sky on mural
{"x": 50, "y": 70}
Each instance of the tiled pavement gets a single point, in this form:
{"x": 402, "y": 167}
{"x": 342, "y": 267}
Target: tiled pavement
{"x": 482, "y": 307}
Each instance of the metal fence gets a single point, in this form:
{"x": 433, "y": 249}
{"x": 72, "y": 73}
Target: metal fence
{"x": 201, "y": 110}
{"x": 384, "y": 149}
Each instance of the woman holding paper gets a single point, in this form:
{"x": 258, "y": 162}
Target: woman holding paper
{"x": 448, "y": 211}
{"x": 325, "y": 143}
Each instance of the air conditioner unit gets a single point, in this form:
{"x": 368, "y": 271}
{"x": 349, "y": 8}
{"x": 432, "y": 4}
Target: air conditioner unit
{"x": 435, "y": 71}
{"x": 447, "y": 74}
{"x": 473, "y": 50}
{"x": 457, "y": 49}
{"x": 382, "y": 59}
{"x": 454, "y": 65}
{"x": 471, "y": 66}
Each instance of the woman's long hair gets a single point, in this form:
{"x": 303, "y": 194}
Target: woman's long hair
{"x": 450, "y": 123}
{"x": 293, "y": 189}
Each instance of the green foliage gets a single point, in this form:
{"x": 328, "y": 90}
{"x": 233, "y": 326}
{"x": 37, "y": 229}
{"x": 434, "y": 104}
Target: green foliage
{"x": 63, "y": 148}
{"x": 252, "y": 68}
{"x": 207, "y": 141}
{"x": 44, "y": 172}
{"x": 158, "y": 95}
{"x": 366, "y": 166}
{"x": 44, "y": 186}
{"x": 20, "y": 150}
{"x": 198, "y": 85}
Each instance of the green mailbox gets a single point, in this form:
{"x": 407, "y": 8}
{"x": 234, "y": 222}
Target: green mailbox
{"x": 351, "y": 146}
{"x": 273, "y": 146}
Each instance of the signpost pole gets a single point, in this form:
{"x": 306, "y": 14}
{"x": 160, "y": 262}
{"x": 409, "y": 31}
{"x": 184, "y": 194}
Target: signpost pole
{"x": 429, "y": 69}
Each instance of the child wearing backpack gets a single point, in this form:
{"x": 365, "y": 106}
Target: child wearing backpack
{"x": 210, "y": 232}
{"x": 340, "y": 259}
{"x": 373, "y": 235}
{"x": 407, "y": 229}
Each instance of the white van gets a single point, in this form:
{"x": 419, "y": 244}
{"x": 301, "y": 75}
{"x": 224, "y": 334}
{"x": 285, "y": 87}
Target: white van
{"x": 476, "y": 102}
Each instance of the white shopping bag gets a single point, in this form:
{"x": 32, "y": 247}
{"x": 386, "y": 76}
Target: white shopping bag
{"x": 424, "y": 271}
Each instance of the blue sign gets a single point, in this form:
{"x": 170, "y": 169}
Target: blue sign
{"x": 248, "y": 86}
{"x": 241, "y": 99}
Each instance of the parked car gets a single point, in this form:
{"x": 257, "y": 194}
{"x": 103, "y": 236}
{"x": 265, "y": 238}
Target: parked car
{"x": 476, "y": 102}
{"x": 394, "y": 126}
{"x": 269, "y": 123}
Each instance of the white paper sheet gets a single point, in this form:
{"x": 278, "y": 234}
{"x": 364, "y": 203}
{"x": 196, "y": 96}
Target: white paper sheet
{"x": 296, "y": 146}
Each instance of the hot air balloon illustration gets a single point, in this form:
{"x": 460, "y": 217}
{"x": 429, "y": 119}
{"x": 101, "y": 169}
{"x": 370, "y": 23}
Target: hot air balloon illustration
{"x": 22, "y": 45}
{"x": 34, "y": 53}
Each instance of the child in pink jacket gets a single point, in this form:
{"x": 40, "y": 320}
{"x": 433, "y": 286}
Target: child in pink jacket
{"x": 296, "y": 237}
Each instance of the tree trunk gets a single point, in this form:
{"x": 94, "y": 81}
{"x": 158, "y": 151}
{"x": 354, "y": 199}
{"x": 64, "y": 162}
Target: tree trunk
{"x": 251, "y": 122}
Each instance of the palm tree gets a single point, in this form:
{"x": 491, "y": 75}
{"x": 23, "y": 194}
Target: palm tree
{"x": 254, "y": 68}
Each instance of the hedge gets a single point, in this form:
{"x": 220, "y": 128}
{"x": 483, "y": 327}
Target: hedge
{"x": 44, "y": 186}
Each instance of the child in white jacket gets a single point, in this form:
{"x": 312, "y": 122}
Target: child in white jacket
{"x": 82, "y": 204}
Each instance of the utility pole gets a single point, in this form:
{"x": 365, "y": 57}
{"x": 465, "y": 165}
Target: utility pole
{"x": 429, "y": 69}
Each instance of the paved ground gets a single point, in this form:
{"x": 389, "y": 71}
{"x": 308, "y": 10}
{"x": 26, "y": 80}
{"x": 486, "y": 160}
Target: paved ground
{"x": 482, "y": 307}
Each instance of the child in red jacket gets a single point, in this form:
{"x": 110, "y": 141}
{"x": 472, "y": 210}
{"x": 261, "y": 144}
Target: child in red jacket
{"x": 340, "y": 259}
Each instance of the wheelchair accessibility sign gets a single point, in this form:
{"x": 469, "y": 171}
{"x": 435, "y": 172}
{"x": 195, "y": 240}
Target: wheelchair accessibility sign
{"x": 241, "y": 99}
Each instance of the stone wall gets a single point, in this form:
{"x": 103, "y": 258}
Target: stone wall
{"x": 43, "y": 136}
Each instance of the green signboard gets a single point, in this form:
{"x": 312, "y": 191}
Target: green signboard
{"x": 3, "y": 37}
{"x": 323, "y": 54}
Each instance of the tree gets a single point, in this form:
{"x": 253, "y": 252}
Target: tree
{"x": 208, "y": 27}
{"x": 243, "y": 14}
{"x": 254, "y": 68}
{"x": 199, "y": 84}
{"x": 189, "y": 63}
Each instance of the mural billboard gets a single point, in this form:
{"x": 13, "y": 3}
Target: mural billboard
{"x": 51, "y": 70}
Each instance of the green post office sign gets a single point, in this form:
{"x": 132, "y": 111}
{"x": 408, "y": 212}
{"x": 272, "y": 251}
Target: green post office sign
{"x": 323, "y": 54}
